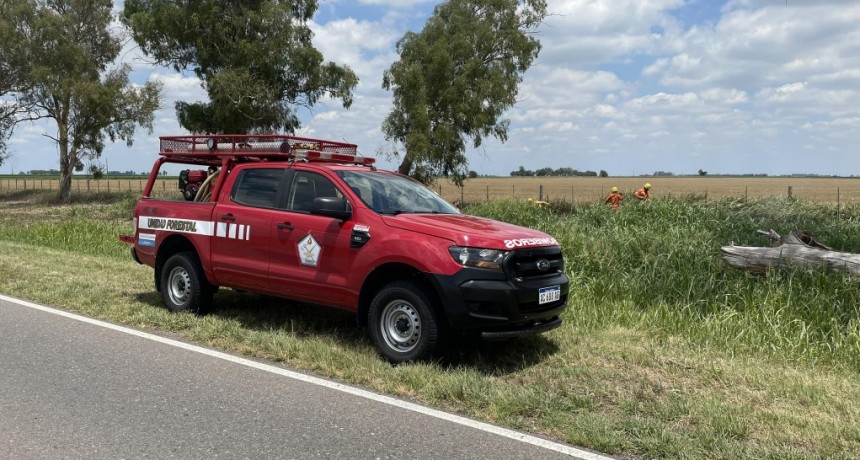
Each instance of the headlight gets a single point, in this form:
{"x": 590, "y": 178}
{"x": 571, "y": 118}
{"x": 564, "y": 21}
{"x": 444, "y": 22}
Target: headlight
{"x": 477, "y": 257}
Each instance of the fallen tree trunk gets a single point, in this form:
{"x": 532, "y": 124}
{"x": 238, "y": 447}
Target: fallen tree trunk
{"x": 796, "y": 250}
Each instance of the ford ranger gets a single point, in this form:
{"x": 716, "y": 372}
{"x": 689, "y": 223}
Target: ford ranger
{"x": 312, "y": 220}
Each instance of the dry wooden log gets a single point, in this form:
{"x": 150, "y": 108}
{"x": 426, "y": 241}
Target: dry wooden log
{"x": 797, "y": 237}
{"x": 796, "y": 250}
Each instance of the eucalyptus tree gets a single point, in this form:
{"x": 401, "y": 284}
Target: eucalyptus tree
{"x": 455, "y": 79}
{"x": 14, "y": 66}
{"x": 66, "y": 51}
{"x": 255, "y": 59}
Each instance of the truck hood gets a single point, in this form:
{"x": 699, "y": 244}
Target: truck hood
{"x": 472, "y": 231}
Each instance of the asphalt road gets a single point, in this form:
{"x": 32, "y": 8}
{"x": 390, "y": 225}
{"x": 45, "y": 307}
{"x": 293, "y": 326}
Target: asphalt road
{"x": 76, "y": 389}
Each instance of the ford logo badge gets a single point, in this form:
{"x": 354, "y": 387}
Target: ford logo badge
{"x": 543, "y": 265}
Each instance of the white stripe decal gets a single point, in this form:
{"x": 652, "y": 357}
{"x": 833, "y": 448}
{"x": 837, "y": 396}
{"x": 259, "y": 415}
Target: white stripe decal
{"x": 278, "y": 370}
{"x": 199, "y": 227}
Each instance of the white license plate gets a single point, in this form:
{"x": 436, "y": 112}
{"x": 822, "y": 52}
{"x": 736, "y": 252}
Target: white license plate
{"x": 549, "y": 294}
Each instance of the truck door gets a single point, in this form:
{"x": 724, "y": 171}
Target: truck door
{"x": 310, "y": 253}
{"x": 244, "y": 232}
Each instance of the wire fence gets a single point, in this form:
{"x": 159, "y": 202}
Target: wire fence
{"x": 84, "y": 185}
{"x": 841, "y": 191}
{"x": 824, "y": 190}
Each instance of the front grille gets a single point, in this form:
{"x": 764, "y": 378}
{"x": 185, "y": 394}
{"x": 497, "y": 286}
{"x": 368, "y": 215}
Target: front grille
{"x": 535, "y": 262}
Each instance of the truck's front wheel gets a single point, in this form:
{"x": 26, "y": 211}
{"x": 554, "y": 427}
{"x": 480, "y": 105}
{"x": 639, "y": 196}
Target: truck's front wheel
{"x": 403, "y": 324}
{"x": 183, "y": 285}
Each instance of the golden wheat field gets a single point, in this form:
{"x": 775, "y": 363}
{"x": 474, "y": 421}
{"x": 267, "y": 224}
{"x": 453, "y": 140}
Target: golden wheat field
{"x": 579, "y": 189}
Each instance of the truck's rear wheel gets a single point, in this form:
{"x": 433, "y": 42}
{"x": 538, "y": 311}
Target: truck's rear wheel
{"x": 403, "y": 324}
{"x": 183, "y": 285}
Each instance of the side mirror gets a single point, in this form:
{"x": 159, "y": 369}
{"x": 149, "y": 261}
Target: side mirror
{"x": 331, "y": 206}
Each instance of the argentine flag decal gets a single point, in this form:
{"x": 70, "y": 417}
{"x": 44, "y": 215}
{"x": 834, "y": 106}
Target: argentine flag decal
{"x": 146, "y": 239}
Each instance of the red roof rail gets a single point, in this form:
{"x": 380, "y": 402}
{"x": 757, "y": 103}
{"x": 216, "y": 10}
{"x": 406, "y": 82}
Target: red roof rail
{"x": 199, "y": 148}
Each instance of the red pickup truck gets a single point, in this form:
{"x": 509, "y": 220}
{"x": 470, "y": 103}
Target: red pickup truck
{"x": 311, "y": 220}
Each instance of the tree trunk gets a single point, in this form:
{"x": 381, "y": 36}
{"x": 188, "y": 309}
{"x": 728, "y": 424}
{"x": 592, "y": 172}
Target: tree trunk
{"x": 796, "y": 250}
{"x": 406, "y": 166}
{"x": 67, "y": 163}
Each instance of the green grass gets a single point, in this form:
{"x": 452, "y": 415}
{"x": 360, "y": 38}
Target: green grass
{"x": 665, "y": 352}
{"x": 658, "y": 265}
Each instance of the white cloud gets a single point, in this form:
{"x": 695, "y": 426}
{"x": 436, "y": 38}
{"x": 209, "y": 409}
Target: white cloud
{"x": 629, "y": 86}
{"x": 395, "y": 3}
{"x": 176, "y": 86}
{"x": 724, "y": 96}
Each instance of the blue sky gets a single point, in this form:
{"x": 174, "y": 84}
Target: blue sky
{"x": 627, "y": 86}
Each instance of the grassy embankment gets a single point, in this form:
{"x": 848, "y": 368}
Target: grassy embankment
{"x": 664, "y": 352}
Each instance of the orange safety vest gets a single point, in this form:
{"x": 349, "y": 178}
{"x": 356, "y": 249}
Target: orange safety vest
{"x": 614, "y": 199}
{"x": 641, "y": 194}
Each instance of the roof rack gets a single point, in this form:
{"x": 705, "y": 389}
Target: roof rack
{"x": 210, "y": 149}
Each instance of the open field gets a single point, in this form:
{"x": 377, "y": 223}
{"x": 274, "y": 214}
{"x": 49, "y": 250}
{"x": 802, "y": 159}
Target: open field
{"x": 594, "y": 189}
{"x": 664, "y": 351}
{"x": 80, "y": 184}
{"x": 576, "y": 189}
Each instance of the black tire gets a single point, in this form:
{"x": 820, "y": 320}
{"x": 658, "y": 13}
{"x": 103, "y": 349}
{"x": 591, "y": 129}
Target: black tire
{"x": 403, "y": 324}
{"x": 184, "y": 286}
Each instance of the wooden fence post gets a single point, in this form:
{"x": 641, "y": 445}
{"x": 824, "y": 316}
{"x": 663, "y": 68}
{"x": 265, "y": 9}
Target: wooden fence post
{"x": 540, "y": 193}
{"x": 789, "y": 192}
{"x": 488, "y": 193}
{"x": 462, "y": 200}
{"x": 838, "y": 205}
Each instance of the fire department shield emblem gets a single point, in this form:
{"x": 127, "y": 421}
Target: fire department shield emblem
{"x": 309, "y": 251}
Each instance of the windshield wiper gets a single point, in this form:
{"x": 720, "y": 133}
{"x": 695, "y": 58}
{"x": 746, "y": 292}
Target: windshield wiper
{"x": 395, "y": 212}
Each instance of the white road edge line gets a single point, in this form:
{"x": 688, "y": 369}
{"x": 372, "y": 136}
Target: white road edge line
{"x": 486, "y": 427}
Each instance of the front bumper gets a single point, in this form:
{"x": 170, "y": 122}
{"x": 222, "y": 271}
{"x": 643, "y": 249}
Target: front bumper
{"x": 497, "y": 306}
{"x": 534, "y": 329}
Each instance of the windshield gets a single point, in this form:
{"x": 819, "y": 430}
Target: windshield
{"x": 393, "y": 194}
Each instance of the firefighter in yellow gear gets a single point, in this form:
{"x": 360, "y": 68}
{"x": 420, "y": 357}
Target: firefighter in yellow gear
{"x": 642, "y": 194}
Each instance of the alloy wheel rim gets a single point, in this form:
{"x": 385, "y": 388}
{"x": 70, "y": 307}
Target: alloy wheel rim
{"x": 179, "y": 286}
{"x": 400, "y": 325}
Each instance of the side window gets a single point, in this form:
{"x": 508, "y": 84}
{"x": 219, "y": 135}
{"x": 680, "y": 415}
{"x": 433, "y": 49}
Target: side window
{"x": 305, "y": 187}
{"x": 257, "y": 187}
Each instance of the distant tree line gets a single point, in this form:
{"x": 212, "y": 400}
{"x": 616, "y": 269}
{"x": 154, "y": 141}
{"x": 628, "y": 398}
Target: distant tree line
{"x": 56, "y": 172}
{"x": 703, "y": 173}
{"x": 560, "y": 172}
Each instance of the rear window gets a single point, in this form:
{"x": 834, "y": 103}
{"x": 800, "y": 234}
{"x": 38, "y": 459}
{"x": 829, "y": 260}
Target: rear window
{"x": 257, "y": 187}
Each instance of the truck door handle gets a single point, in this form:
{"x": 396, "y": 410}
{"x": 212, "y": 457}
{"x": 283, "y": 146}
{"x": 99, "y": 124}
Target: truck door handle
{"x": 229, "y": 217}
{"x": 285, "y": 226}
